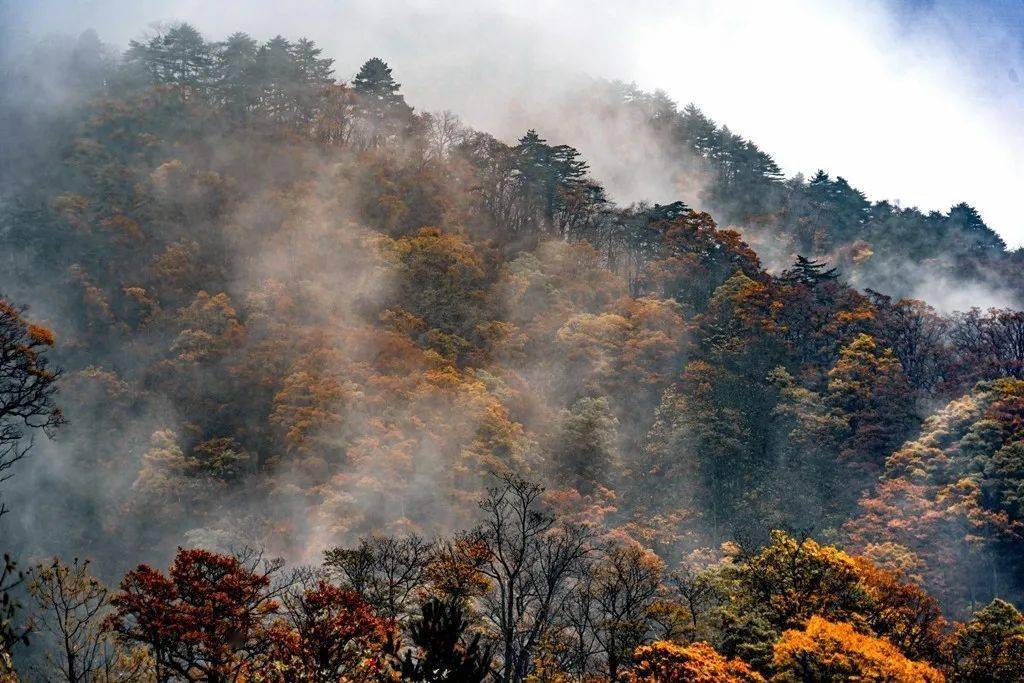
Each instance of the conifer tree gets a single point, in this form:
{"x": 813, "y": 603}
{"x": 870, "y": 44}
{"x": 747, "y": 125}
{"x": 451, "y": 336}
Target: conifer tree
{"x": 808, "y": 272}
{"x": 443, "y": 656}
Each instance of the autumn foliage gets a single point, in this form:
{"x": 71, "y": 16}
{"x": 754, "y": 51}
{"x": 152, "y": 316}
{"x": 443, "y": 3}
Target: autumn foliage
{"x": 825, "y": 651}
{"x": 664, "y": 662}
{"x": 532, "y": 433}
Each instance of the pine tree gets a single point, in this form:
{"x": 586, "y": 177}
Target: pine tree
{"x": 179, "y": 57}
{"x": 276, "y": 74}
{"x": 233, "y": 73}
{"x": 312, "y": 68}
{"x": 443, "y": 657}
{"x": 550, "y": 174}
{"x": 381, "y": 105}
{"x": 808, "y": 273}
{"x": 970, "y": 232}
{"x": 667, "y": 212}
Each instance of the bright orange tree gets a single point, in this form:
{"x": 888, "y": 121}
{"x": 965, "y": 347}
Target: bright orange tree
{"x": 834, "y": 651}
{"x": 665, "y": 662}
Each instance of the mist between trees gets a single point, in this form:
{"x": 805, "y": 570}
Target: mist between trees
{"x": 292, "y": 313}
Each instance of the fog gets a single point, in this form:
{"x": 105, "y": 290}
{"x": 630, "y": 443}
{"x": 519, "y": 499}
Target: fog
{"x": 284, "y": 339}
{"x": 912, "y": 102}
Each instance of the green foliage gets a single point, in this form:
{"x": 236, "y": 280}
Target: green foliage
{"x": 990, "y": 647}
{"x": 443, "y": 656}
{"x": 585, "y": 450}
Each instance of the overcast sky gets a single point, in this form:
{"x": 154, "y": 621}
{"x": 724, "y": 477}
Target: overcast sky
{"x": 913, "y": 100}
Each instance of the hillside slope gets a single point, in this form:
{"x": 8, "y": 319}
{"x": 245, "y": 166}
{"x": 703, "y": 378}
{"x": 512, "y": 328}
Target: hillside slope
{"x": 293, "y": 312}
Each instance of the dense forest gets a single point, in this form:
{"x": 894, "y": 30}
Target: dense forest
{"x": 299, "y": 383}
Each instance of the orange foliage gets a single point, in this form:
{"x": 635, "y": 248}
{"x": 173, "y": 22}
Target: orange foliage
{"x": 826, "y": 650}
{"x": 209, "y": 328}
{"x": 665, "y": 662}
{"x": 41, "y": 335}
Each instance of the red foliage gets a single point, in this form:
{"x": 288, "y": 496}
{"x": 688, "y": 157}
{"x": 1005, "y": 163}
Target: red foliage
{"x": 329, "y": 634}
{"x": 203, "y": 621}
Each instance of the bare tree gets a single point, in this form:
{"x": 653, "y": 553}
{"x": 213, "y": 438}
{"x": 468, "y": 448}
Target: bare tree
{"x": 577, "y": 618}
{"x": 387, "y": 571}
{"x": 531, "y": 563}
{"x": 989, "y": 345}
{"x": 444, "y": 132}
{"x": 696, "y": 591}
{"x": 626, "y": 582}
{"x": 70, "y": 607}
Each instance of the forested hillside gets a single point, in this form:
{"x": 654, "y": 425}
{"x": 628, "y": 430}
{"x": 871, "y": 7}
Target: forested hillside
{"x": 498, "y": 426}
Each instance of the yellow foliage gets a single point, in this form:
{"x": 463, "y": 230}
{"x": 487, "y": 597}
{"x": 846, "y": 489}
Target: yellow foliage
{"x": 665, "y": 662}
{"x": 832, "y": 651}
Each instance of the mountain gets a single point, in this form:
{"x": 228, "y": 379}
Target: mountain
{"x": 535, "y": 432}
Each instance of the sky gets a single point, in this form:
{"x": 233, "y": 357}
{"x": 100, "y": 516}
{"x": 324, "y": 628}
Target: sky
{"x": 915, "y": 101}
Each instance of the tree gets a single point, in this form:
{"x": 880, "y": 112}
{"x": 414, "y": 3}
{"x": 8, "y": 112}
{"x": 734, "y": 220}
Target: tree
{"x": 333, "y": 120}
{"x": 917, "y": 336}
{"x": 202, "y": 621}
{"x": 834, "y": 651}
{"x": 970, "y": 234}
{"x": 327, "y": 634}
{"x": 554, "y": 192}
{"x": 989, "y": 345}
{"x": 178, "y": 56}
{"x": 624, "y": 583}
{"x": 585, "y": 450}
{"x": 990, "y": 647}
{"x": 234, "y": 62}
{"x": 454, "y": 571}
{"x": 10, "y": 633}
{"x": 374, "y": 80}
{"x": 868, "y": 388}
{"x": 439, "y": 635}
{"x": 666, "y": 662}
{"x": 792, "y": 579}
{"x": 693, "y": 257}
{"x": 703, "y": 443}
{"x": 387, "y": 572}
{"x": 445, "y": 132}
{"x": 808, "y": 273}
{"x": 209, "y": 328}
{"x": 530, "y": 562}
{"x": 949, "y": 497}
{"x": 28, "y": 385}
{"x": 811, "y": 490}
{"x": 313, "y": 75}
{"x": 70, "y": 611}
{"x": 442, "y": 280}
{"x": 381, "y": 106}
{"x": 903, "y": 613}
{"x": 276, "y": 77}
{"x": 695, "y": 591}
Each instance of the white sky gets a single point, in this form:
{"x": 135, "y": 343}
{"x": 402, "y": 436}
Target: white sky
{"x": 928, "y": 113}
